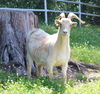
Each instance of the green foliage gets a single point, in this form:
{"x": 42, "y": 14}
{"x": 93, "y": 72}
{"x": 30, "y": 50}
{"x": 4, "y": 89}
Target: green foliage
{"x": 85, "y": 43}
{"x": 18, "y": 3}
{"x": 54, "y": 5}
{"x": 49, "y": 29}
{"x": 14, "y": 84}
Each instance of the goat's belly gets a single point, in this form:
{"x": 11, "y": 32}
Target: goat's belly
{"x": 39, "y": 56}
{"x": 40, "y": 62}
{"x": 59, "y": 63}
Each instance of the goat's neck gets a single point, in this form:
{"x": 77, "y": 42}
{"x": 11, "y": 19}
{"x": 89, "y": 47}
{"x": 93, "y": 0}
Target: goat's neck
{"x": 62, "y": 41}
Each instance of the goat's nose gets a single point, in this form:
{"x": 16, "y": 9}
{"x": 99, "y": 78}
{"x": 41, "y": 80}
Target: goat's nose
{"x": 65, "y": 32}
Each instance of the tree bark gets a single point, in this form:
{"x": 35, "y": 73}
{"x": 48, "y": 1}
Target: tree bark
{"x": 14, "y": 26}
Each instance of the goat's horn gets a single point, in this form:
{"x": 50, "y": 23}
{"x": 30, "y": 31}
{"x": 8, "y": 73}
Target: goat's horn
{"x": 72, "y": 15}
{"x": 62, "y": 15}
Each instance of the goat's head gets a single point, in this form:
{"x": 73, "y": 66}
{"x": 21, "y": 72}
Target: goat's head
{"x": 65, "y": 24}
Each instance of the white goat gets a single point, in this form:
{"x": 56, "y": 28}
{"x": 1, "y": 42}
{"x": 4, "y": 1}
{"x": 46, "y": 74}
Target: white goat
{"x": 51, "y": 50}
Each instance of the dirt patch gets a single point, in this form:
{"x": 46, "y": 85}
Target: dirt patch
{"x": 78, "y": 73}
{"x": 93, "y": 74}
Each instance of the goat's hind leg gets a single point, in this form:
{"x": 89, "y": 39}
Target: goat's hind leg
{"x": 29, "y": 65}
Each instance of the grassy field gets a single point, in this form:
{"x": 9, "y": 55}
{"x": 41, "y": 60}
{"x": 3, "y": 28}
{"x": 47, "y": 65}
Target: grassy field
{"x": 85, "y": 46}
{"x": 85, "y": 43}
{"x": 13, "y": 84}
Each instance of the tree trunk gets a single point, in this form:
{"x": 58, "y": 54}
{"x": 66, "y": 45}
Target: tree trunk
{"x": 14, "y": 26}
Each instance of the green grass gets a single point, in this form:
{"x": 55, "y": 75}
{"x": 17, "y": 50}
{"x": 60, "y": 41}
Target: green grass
{"x": 85, "y": 43}
{"x": 13, "y": 84}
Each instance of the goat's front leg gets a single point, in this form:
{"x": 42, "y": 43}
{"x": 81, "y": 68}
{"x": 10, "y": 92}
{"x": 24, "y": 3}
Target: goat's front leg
{"x": 64, "y": 71}
{"x": 50, "y": 70}
{"x": 40, "y": 69}
{"x": 29, "y": 65}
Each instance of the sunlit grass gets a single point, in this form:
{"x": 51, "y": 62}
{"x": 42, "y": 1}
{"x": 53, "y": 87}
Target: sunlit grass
{"x": 84, "y": 88}
{"x": 86, "y": 54}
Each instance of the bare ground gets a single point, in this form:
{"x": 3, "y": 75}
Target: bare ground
{"x": 76, "y": 72}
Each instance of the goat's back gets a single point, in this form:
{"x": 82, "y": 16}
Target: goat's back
{"x": 37, "y": 45}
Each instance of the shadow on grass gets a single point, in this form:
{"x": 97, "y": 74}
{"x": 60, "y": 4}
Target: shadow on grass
{"x": 55, "y": 85}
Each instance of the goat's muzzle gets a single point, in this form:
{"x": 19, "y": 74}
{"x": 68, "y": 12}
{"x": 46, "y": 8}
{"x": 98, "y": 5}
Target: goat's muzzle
{"x": 65, "y": 32}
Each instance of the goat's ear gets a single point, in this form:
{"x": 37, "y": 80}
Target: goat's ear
{"x": 74, "y": 24}
{"x": 57, "y": 22}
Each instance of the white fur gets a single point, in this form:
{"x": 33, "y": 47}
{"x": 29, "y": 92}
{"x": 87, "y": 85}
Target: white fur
{"x": 50, "y": 50}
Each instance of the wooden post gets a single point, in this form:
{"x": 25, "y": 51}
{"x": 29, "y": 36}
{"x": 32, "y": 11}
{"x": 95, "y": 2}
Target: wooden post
{"x": 80, "y": 12}
{"x": 46, "y": 14}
